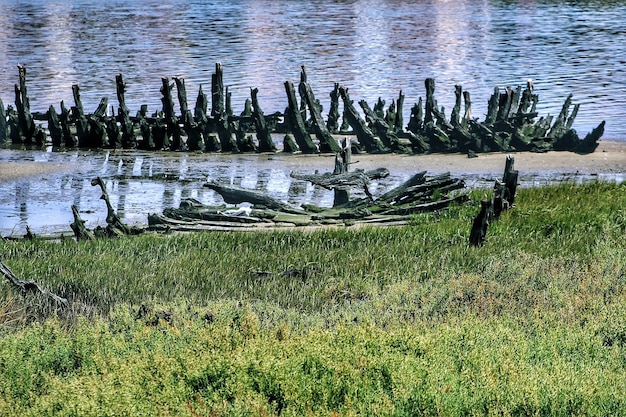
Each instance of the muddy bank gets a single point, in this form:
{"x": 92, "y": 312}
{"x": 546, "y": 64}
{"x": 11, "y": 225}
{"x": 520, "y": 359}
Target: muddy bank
{"x": 38, "y": 188}
{"x": 610, "y": 158}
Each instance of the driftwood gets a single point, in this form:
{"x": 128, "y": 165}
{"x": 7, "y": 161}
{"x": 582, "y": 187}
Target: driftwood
{"x": 29, "y": 286}
{"x": 418, "y": 194}
{"x": 237, "y": 196}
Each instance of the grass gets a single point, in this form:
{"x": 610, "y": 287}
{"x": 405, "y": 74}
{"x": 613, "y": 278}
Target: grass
{"x": 376, "y": 321}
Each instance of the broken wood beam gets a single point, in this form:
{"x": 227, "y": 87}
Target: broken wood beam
{"x": 326, "y": 141}
{"x": 296, "y": 123}
{"x": 366, "y": 138}
{"x": 237, "y": 196}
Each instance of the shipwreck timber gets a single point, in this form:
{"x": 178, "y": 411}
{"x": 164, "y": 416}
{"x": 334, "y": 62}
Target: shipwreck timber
{"x": 512, "y": 123}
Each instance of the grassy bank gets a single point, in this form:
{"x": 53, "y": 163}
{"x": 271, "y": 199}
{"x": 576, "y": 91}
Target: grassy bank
{"x": 398, "y": 321}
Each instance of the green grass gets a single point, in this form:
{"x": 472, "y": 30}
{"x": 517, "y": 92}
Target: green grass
{"x": 385, "y": 321}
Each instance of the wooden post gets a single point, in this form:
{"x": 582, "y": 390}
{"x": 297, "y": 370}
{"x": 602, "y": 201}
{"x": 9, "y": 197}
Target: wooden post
{"x": 296, "y": 124}
{"x": 70, "y": 140}
{"x": 147, "y": 141}
{"x": 27, "y": 127}
{"x": 217, "y": 92}
{"x": 399, "y": 126}
{"x": 455, "y": 117}
{"x": 3, "y": 124}
{"x": 467, "y": 116}
{"x": 365, "y": 136}
{"x": 326, "y": 141}
{"x": 332, "y": 122}
{"x": 264, "y": 137}
{"x": 82, "y": 127}
{"x": 54, "y": 127}
{"x": 182, "y": 98}
{"x": 129, "y": 141}
{"x": 171, "y": 121}
{"x": 342, "y": 165}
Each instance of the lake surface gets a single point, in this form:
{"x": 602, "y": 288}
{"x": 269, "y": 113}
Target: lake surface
{"x": 375, "y": 48}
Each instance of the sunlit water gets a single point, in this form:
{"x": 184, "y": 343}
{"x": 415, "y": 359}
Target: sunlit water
{"x": 375, "y": 48}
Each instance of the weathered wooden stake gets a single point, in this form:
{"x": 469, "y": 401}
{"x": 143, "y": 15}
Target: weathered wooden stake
{"x": 326, "y": 141}
{"x": 296, "y": 124}
{"x": 264, "y": 137}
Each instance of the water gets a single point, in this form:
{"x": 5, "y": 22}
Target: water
{"x": 375, "y": 48}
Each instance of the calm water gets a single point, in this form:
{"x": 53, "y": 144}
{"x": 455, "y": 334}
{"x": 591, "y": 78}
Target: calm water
{"x": 376, "y": 48}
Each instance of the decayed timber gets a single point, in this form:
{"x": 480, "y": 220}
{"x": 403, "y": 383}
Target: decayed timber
{"x": 263, "y": 134}
{"x": 418, "y": 194}
{"x": 294, "y": 118}
{"x": 233, "y": 195}
{"x": 29, "y": 286}
{"x": 366, "y": 138}
{"x": 326, "y": 141}
{"x": 502, "y": 199}
{"x": 115, "y": 227}
{"x": 511, "y": 123}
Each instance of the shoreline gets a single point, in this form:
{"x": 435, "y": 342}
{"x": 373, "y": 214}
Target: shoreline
{"x": 609, "y": 158}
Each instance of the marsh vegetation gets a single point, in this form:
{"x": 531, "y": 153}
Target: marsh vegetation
{"x": 406, "y": 320}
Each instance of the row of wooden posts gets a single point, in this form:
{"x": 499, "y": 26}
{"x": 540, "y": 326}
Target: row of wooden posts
{"x": 510, "y": 124}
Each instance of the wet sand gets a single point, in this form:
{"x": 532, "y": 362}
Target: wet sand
{"x": 609, "y": 158}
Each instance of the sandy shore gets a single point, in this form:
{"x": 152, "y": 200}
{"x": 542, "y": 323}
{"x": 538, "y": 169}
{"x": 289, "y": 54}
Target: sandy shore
{"x": 609, "y": 158}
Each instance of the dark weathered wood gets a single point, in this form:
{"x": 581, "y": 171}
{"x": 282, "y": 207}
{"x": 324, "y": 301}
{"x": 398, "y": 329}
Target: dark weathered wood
{"x": 590, "y": 142}
{"x": 28, "y": 131}
{"x": 332, "y": 122}
{"x": 181, "y": 92}
{"x": 82, "y": 127}
{"x": 455, "y": 116}
{"x": 326, "y": 141}
{"x": 3, "y": 124}
{"x": 416, "y": 120}
{"x": 399, "y": 125}
{"x": 70, "y": 140}
{"x": 217, "y": 92}
{"x": 195, "y": 141}
{"x": 81, "y": 232}
{"x": 478, "y": 233}
{"x": 54, "y": 127}
{"x": 289, "y": 145}
{"x": 264, "y": 136}
{"x": 115, "y": 227}
{"x": 129, "y": 141}
{"x": 382, "y": 129}
{"x": 366, "y": 138}
{"x": 348, "y": 179}
{"x": 237, "y": 196}
{"x": 467, "y": 115}
{"x": 174, "y": 132}
{"x": 294, "y": 118}
{"x": 29, "y": 286}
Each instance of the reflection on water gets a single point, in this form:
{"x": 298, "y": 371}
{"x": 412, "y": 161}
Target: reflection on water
{"x": 140, "y": 183}
{"x": 375, "y": 48}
